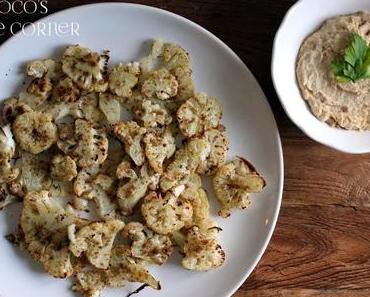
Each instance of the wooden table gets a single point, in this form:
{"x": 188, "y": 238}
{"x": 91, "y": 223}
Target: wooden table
{"x": 321, "y": 246}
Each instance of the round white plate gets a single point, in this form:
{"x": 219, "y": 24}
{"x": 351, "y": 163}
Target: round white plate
{"x": 302, "y": 19}
{"x": 250, "y": 124}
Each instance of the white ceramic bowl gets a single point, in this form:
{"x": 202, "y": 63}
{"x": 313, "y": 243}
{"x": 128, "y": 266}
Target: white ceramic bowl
{"x": 124, "y": 28}
{"x": 302, "y": 19}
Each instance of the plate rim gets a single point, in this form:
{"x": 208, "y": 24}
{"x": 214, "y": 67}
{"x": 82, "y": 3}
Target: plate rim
{"x": 279, "y": 195}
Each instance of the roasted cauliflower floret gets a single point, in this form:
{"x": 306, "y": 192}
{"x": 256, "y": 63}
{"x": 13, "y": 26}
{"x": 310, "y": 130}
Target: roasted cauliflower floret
{"x": 111, "y": 107}
{"x": 123, "y": 268}
{"x": 147, "y": 245}
{"x": 44, "y": 225}
{"x": 167, "y": 214}
{"x": 152, "y": 114}
{"x": 12, "y": 108}
{"x": 160, "y": 84}
{"x": 88, "y": 106}
{"x": 92, "y": 146}
{"x": 7, "y": 143}
{"x": 63, "y": 168}
{"x": 85, "y": 68}
{"x": 202, "y": 251}
{"x": 233, "y": 182}
{"x": 6, "y": 198}
{"x": 44, "y": 68}
{"x": 67, "y": 141}
{"x": 99, "y": 189}
{"x": 7, "y": 172}
{"x": 95, "y": 241}
{"x": 123, "y": 78}
{"x": 132, "y": 191}
{"x": 66, "y": 91}
{"x": 37, "y": 92}
{"x": 124, "y": 170}
{"x": 34, "y": 131}
{"x": 177, "y": 61}
{"x": 185, "y": 163}
{"x": 158, "y": 148}
{"x": 198, "y": 114}
{"x": 219, "y": 145}
{"x": 131, "y": 134}
{"x": 33, "y": 176}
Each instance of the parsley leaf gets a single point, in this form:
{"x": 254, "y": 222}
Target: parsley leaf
{"x": 355, "y": 63}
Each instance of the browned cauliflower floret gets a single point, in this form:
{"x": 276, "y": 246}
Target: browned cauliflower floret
{"x": 6, "y": 198}
{"x": 66, "y": 91}
{"x": 123, "y": 268}
{"x": 85, "y": 68}
{"x": 147, "y": 245}
{"x": 63, "y": 168}
{"x": 219, "y": 145}
{"x": 99, "y": 189}
{"x": 131, "y": 134}
{"x": 160, "y": 84}
{"x": 92, "y": 146}
{"x": 124, "y": 170}
{"x": 34, "y": 131}
{"x": 12, "y": 108}
{"x": 132, "y": 191}
{"x": 40, "y": 68}
{"x": 202, "y": 251}
{"x": 152, "y": 114}
{"x": 158, "y": 148}
{"x": 111, "y": 107}
{"x": 123, "y": 78}
{"x": 177, "y": 61}
{"x": 33, "y": 176}
{"x": 95, "y": 241}
{"x": 167, "y": 214}
{"x": 67, "y": 141}
{"x": 37, "y": 92}
{"x": 198, "y": 114}
{"x": 185, "y": 163}
{"x": 88, "y": 106}
{"x": 44, "y": 225}
{"x": 233, "y": 182}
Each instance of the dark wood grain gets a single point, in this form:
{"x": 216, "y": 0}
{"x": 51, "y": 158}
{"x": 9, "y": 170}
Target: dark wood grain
{"x": 321, "y": 246}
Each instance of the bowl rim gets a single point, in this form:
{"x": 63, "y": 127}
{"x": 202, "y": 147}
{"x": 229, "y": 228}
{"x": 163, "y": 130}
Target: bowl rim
{"x": 280, "y": 95}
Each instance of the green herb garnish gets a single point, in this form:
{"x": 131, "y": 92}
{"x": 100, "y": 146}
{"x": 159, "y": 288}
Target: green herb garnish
{"x": 355, "y": 63}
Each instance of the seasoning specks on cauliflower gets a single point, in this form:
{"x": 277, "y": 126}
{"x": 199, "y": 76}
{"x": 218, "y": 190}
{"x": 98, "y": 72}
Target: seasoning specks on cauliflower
{"x": 123, "y": 78}
{"x": 40, "y": 68}
{"x": 123, "y": 268}
{"x": 96, "y": 241}
{"x": 198, "y": 114}
{"x": 158, "y": 148}
{"x": 44, "y": 225}
{"x": 202, "y": 251}
{"x": 63, "y": 168}
{"x": 167, "y": 214}
{"x": 131, "y": 134}
{"x": 37, "y": 92}
{"x": 66, "y": 91}
{"x": 12, "y": 108}
{"x": 160, "y": 84}
{"x": 85, "y": 68}
{"x": 147, "y": 245}
{"x": 92, "y": 146}
{"x": 152, "y": 114}
{"x": 34, "y": 131}
{"x": 233, "y": 182}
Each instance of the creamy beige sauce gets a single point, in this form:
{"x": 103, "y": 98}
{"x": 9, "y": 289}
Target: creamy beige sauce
{"x": 344, "y": 105}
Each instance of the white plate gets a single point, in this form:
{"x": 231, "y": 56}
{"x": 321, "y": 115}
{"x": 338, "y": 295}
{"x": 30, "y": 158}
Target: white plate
{"x": 124, "y": 28}
{"x": 303, "y": 19}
